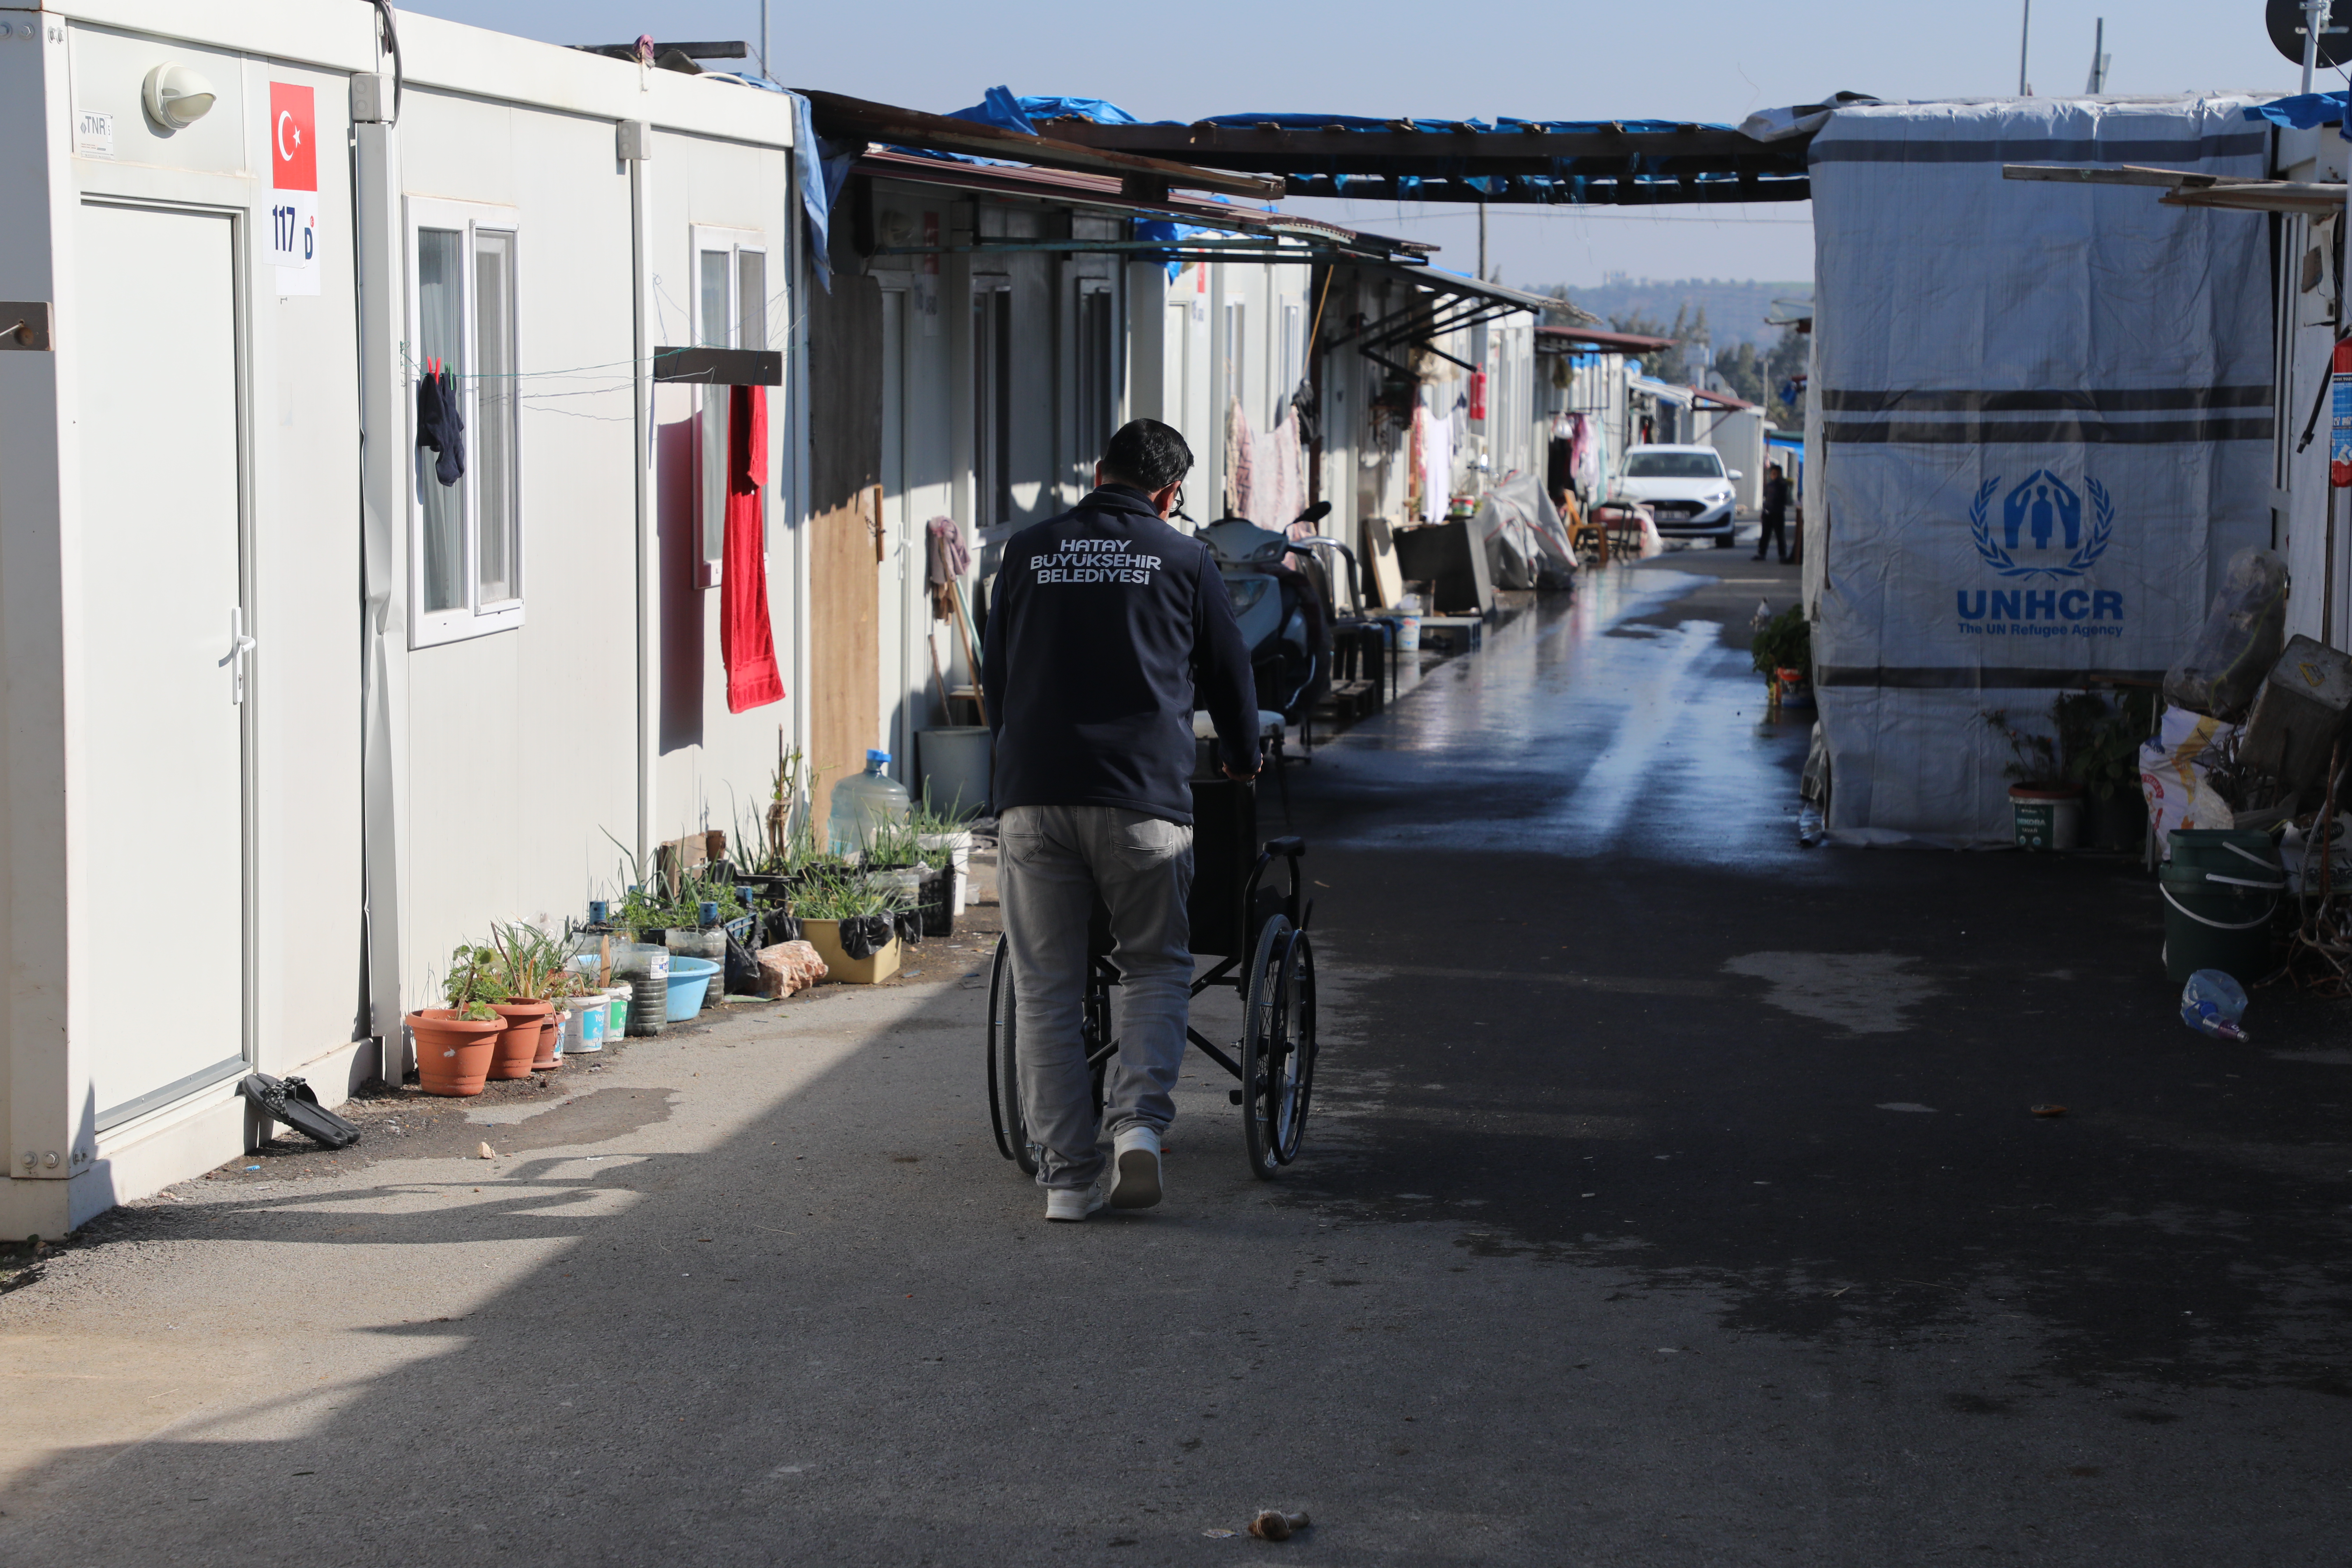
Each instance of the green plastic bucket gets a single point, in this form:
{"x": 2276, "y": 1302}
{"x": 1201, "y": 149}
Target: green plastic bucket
{"x": 2220, "y": 892}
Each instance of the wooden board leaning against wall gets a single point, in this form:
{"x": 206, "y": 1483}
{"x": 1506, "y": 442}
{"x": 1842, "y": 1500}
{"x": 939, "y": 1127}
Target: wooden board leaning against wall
{"x": 845, "y": 526}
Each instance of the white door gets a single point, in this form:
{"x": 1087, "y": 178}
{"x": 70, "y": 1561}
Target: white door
{"x": 158, "y": 778}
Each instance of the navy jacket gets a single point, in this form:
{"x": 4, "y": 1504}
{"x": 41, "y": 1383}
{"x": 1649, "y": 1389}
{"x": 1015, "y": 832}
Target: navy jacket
{"x": 1104, "y": 626}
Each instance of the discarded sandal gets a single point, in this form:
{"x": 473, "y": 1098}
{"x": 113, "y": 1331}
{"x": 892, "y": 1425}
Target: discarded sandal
{"x": 291, "y": 1100}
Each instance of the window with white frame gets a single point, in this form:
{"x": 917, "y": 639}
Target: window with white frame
{"x": 1097, "y": 396}
{"x": 466, "y": 538}
{"x": 992, "y": 400}
{"x": 730, "y": 312}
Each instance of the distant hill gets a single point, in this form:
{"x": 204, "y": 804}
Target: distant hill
{"x": 1734, "y": 310}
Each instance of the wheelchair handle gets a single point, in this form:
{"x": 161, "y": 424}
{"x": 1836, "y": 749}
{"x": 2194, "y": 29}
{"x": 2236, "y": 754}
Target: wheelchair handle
{"x": 1291, "y": 844}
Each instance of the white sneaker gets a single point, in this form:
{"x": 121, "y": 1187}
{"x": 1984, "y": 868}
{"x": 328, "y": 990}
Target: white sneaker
{"x": 1135, "y": 1168}
{"x": 1072, "y": 1203}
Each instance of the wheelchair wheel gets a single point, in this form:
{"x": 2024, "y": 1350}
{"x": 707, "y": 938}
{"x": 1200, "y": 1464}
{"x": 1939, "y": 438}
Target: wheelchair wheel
{"x": 1271, "y": 1101}
{"x": 1004, "y": 1073}
{"x": 1300, "y": 972}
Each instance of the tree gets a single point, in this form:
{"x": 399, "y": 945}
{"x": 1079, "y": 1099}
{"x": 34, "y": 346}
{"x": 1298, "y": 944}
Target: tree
{"x": 1760, "y": 376}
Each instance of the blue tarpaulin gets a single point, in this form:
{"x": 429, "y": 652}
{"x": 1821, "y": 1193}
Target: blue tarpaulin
{"x": 2301, "y": 113}
{"x": 1448, "y": 168}
{"x": 1002, "y": 106}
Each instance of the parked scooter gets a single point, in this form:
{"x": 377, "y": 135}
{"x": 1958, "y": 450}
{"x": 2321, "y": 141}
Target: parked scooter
{"x": 1286, "y": 611}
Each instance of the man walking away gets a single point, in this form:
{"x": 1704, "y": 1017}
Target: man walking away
{"x": 1776, "y": 515}
{"x": 1104, "y": 623}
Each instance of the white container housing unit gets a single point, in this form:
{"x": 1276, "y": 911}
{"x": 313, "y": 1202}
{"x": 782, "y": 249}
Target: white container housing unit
{"x": 286, "y": 717}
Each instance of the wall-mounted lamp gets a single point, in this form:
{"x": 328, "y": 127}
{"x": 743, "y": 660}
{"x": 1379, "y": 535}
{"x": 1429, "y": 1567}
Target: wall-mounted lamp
{"x": 177, "y": 97}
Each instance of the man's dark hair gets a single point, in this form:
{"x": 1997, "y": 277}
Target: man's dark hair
{"x": 1146, "y": 454}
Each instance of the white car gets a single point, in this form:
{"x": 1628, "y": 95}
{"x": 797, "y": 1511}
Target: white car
{"x": 1686, "y": 488}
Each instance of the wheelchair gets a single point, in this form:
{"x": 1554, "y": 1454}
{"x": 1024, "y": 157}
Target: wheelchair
{"x": 1258, "y": 934}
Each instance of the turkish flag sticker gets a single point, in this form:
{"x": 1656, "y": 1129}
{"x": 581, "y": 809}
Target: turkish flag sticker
{"x": 293, "y": 124}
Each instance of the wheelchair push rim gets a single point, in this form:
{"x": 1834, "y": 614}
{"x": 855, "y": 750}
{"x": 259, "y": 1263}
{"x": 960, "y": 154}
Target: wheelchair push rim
{"x": 1277, "y": 1047}
{"x": 1003, "y": 1067}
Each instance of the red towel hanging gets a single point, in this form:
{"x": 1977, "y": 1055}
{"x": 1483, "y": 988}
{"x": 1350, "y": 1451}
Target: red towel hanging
{"x": 746, "y": 645}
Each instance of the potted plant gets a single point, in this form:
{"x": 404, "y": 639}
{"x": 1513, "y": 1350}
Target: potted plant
{"x": 489, "y": 973}
{"x": 1783, "y": 653}
{"x": 2098, "y": 747}
{"x": 763, "y": 858}
{"x": 851, "y": 923}
{"x": 454, "y": 1043}
{"x": 2046, "y": 806}
{"x": 534, "y": 970}
{"x": 944, "y": 845}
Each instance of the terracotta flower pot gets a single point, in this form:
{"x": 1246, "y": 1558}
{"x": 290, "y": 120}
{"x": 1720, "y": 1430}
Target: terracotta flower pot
{"x": 452, "y": 1054}
{"x": 518, "y": 1043}
{"x": 546, "y": 1060}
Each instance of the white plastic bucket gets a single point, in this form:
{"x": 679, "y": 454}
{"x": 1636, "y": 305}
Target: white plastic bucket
{"x": 1409, "y": 634}
{"x": 589, "y": 1016}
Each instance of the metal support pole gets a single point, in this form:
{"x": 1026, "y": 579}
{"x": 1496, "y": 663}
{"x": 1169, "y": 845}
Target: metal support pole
{"x": 2314, "y": 22}
{"x": 2024, "y": 43}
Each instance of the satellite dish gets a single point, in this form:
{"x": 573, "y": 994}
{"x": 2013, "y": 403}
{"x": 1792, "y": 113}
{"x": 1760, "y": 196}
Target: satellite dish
{"x": 2284, "y": 18}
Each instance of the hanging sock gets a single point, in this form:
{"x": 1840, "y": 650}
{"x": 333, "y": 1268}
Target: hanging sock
{"x": 746, "y": 644}
{"x": 441, "y": 423}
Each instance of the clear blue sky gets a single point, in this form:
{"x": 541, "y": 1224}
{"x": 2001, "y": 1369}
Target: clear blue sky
{"x": 1700, "y": 59}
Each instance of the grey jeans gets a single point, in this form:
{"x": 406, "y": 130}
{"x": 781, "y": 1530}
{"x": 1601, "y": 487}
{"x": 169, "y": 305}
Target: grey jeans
{"x": 1057, "y": 860}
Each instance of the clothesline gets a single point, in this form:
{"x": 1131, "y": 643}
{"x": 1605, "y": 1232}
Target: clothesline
{"x": 408, "y": 362}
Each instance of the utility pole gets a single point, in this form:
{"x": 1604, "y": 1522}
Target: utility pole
{"x": 1482, "y": 242}
{"x": 764, "y": 68}
{"x": 2024, "y": 42}
{"x": 2098, "y": 59}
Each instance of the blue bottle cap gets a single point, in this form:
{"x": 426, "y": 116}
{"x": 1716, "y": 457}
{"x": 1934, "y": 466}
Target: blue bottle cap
{"x": 873, "y": 756}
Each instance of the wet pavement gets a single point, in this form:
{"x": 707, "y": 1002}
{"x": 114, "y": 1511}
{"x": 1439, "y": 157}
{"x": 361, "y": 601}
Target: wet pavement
{"x": 1672, "y": 1197}
{"x": 1619, "y": 1011}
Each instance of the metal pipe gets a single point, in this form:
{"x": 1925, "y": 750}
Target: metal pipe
{"x": 2024, "y": 41}
{"x": 648, "y": 626}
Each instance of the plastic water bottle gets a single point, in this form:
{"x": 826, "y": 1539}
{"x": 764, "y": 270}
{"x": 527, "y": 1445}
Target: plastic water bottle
{"x": 863, "y": 802}
{"x": 1809, "y": 830}
{"x": 2212, "y": 1003}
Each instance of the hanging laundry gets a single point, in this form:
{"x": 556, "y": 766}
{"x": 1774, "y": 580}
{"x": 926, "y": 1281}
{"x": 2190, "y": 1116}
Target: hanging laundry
{"x": 1289, "y": 465}
{"x": 441, "y": 423}
{"x": 1437, "y": 467}
{"x": 1416, "y": 470}
{"x": 746, "y": 644}
{"x": 1240, "y": 462}
{"x": 1310, "y": 420}
{"x": 945, "y": 561}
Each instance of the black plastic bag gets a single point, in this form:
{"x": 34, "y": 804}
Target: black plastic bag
{"x": 2239, "y": 643}
{"x": 865, "y": 935}
{"x": 292, "y": 1101}
{"x": 742, "y": 963}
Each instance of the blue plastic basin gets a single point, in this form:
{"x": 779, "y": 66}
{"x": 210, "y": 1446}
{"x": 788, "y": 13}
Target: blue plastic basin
{"x": 689, "y": 981}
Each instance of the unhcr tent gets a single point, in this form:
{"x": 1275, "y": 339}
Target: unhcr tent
{"x": 2044, "y": 420}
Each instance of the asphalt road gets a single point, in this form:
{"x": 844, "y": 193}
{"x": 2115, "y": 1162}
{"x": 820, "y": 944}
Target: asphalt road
{"x": 1672, "y": 1197}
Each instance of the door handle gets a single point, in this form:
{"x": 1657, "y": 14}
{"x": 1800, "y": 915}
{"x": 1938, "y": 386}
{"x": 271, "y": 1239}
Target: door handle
{"x": 240, "y": 646}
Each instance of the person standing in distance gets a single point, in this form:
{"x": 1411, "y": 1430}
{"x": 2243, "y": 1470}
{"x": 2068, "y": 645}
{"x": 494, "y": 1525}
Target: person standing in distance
{"x": 1106, "y": 629}
{"x": 1775, "y": 513}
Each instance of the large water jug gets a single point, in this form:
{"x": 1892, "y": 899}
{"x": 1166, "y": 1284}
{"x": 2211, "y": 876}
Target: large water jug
{"x": 863, "y": 802}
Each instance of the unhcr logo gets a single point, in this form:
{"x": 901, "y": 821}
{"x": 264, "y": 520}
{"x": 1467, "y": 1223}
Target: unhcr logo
{"x": 2042, "y": 514}
{"x": 2045, "y": 529}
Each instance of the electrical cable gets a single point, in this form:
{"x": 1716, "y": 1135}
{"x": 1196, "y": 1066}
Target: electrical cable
{"x": 391, "y": 41}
